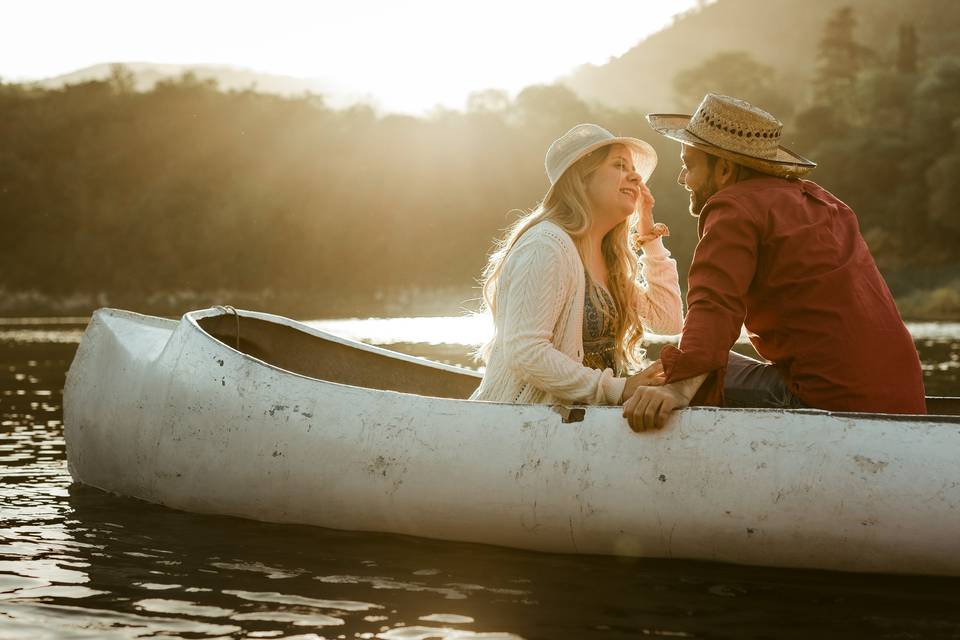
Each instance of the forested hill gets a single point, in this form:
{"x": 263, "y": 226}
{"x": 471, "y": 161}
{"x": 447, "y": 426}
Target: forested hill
{"x": 145, "y": 76}
{"x": 187, "y": 195}
{"x": 782, "y": 34}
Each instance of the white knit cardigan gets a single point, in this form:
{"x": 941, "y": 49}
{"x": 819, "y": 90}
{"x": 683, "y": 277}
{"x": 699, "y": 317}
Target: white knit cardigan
{"x": 537, "y": 351}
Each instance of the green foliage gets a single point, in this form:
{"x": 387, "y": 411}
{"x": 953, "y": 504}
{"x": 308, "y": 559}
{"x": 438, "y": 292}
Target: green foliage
{"x": 890, "y": 148}
{"x": 944, "y": 187}
{"x": 907, "y": 49}
{"x": 939, "y": 303}
{"x": 122, "y": 79}
{"x": 187, "y": 188}
{"x": 884, "y": 126}
{"x": 841, "y": 56}
{"x": 733, "y": 73}
{"x": 884, "y": 134}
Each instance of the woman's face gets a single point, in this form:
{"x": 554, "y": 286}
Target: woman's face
{"x": 614, "y": 188}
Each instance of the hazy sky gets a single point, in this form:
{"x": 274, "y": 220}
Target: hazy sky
{"x": 407, "y": 55}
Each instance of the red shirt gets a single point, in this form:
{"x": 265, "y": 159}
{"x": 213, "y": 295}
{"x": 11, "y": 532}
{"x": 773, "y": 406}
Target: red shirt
{"x": 785, "y": 258}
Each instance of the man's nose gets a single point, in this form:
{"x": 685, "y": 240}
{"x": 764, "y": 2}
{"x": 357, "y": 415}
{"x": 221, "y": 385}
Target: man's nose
{"x": 683, "y": 174}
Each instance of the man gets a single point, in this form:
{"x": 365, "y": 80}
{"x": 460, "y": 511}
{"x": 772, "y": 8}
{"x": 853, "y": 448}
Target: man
{"x": 785, "y": 258}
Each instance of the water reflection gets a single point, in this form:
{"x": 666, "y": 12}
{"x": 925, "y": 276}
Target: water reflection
{"x": 467, "y": 329}
{"x": 476, "y": 329}
{"x": 79, "y": 563}
{"x": 158, "y": 571}
{"x": 316, "y": 575}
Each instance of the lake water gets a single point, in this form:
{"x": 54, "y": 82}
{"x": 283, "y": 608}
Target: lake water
{"x": 78, "y": 563}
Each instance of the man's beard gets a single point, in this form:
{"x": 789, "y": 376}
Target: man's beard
{"x": 699, "y": 197}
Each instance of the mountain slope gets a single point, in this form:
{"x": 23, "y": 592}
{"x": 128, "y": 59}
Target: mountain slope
{"x": 779, "y": 33}
{"x": 147, "y": 74}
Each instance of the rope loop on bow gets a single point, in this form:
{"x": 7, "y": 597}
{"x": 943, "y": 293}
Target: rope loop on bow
{"x": 226, "y": 308}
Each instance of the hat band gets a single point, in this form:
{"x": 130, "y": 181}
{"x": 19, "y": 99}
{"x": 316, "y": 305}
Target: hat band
{"x": 736, "y": 137}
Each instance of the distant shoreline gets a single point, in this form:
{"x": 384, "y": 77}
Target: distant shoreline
{"x": 405, "y": 302}
{"x": 941, "y": 304}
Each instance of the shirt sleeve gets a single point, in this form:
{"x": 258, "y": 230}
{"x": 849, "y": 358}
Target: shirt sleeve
{"x": 539, "y": 288}
{"x": 723, "y": 267}
{"x": 661, "y": 309}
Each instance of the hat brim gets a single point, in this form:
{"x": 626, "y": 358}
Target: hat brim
{"x": 787, "y": 164}
{"x": 646, "y": 160}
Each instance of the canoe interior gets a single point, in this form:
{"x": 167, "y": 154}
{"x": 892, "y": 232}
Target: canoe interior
{"x": 300, "y": 352}
{"x": 943, "y": 406}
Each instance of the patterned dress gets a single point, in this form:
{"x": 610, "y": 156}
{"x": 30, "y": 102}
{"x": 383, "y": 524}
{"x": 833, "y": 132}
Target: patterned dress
{"x": 599, "y": 343}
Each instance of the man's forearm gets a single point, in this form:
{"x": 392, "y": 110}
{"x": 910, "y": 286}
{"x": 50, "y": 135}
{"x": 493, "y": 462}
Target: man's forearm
{"x": 689, "y": 386}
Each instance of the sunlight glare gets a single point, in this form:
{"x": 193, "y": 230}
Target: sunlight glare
{"x": 401, "y": 56}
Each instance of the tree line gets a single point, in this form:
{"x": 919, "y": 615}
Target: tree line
{"x": 189, "y": 188}
{"x": 884, "y": 126}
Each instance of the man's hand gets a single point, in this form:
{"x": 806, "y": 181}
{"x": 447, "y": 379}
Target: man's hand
{"x": 649, "y": 407}
{"x": 651, "y": 376}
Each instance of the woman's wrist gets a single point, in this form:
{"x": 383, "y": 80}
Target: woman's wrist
{"x": 653, "y": 248}
{"x": 651, "y": 241}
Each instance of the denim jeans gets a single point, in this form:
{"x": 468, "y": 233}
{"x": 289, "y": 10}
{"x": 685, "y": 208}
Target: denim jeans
{"x": 750, "y": 383}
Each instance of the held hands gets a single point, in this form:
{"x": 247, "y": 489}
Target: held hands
{"x": 651, "y": 376}
{"x": 650, "y": 406}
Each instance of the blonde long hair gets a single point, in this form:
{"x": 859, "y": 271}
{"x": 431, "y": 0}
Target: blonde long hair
{"x": 569, "y": 208}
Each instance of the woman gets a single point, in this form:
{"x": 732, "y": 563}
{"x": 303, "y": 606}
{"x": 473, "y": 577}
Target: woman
{"x": 562, "y": 287}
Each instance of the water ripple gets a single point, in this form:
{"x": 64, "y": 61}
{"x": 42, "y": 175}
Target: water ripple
{"x": 78, "y": 563}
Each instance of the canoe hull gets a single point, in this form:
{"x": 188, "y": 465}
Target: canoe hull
{"x": 159, "y": 411}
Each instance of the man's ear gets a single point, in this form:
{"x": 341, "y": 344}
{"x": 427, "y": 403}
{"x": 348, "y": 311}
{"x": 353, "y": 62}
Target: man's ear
{"x": 724, "y": 172}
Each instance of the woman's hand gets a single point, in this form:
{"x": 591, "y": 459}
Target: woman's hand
{"x": 645, "y": 209}
{"x": 652, "y": 376}
{"x": 647, "y": 229}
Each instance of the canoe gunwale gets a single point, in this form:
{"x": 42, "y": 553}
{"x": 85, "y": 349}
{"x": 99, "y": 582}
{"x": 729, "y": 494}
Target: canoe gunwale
{"x": 193, "y": 318}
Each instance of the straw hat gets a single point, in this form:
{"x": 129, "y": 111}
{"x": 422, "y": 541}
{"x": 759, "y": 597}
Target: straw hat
{"x": 585, "y": 138}
{"x": 736, "y": 130}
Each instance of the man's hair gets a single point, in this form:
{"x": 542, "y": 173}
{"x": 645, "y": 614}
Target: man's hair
{"x": 743, "y": 172}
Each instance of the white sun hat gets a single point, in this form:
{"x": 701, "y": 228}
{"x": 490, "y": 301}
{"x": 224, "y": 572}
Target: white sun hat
{"x": 585, "y": 138}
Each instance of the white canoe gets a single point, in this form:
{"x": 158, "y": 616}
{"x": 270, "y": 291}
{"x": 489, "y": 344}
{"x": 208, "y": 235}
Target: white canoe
{"x": 291, "y": 424}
